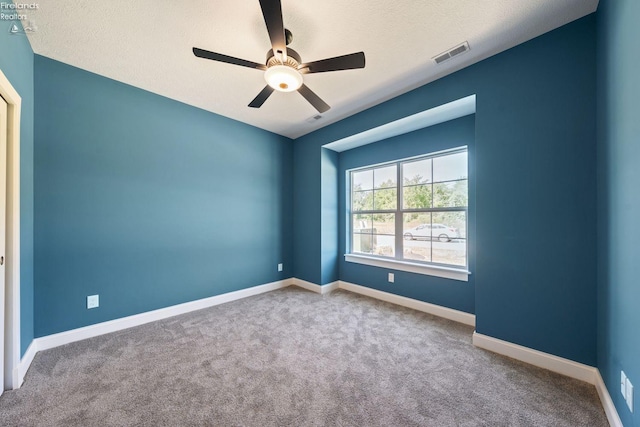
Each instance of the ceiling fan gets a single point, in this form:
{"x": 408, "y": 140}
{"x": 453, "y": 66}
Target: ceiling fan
{"x": 284, "y": 68}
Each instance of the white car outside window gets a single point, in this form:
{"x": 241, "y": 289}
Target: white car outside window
{"x": 441, "y": 232}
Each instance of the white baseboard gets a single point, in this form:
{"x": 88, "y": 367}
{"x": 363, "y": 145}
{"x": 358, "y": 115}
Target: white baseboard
{"x": 537, "y": 358}
{"x": 553, "y": 363}
{"x": 330, "y": 287}
{"x": 21, "y": 370}
{"x": 319, "y": 289}
{"x": 607, "y": 402}
{"x": 436, "y": 310}
{"x": 62, "y": 338}
{"x": 306, "y": 285}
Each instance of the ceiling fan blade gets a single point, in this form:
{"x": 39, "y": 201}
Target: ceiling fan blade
{"x": 272, "y": 13}
{"x": 344, "y": 62}
{"x": 313, "y": 99}
{"x": 201, "y": 53}
{"x": 262, "y": 96}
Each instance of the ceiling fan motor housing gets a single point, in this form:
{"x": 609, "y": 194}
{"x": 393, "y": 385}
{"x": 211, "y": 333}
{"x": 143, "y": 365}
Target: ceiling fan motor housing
{"x": 281, "y": 75}
{"x": 293, "y": 59}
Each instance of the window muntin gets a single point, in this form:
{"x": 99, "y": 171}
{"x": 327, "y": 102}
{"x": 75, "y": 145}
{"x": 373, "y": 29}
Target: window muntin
{"x": 412, "y": 210}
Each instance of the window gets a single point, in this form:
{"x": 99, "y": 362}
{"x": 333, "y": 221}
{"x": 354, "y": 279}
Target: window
{"x": 412, "y": 211}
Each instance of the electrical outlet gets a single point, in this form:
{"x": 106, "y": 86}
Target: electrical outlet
{"x": 629, "y": 394}
{"x": 280, "y": 267}
{"x": 391, "y": 277}
{"x": 93, "y": 301}
{"x": 623, "y": 384}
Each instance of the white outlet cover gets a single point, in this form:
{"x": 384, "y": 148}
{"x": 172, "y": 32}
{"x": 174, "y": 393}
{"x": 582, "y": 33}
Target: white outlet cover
{"x": 391, "y": 277}
{"x": 629, "y": 395}
{"x": 93, "y": 301}
{"x": 280, "y": 267}
{"x": 623, "y": 384}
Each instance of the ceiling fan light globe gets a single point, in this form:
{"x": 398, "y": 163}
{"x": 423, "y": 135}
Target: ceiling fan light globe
{"x": 283, "y": 78}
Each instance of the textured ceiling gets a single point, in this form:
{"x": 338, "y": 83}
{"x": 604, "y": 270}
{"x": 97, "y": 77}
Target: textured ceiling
{"x": 147, "y": 44}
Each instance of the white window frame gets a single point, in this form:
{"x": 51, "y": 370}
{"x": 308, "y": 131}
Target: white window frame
{"x": 460, "y": 273}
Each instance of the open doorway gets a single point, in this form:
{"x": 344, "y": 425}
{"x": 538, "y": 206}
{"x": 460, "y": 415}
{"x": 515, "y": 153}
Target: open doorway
{"x": 12, "y": 375}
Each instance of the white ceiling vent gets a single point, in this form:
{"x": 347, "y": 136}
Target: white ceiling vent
{"x": 464, "y": 47}
{"x": 313, "y": 119}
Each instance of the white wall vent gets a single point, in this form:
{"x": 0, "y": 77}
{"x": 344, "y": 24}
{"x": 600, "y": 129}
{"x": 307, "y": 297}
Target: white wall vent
{"x": 464, "y": 47}
{"x": 314, "y": 118}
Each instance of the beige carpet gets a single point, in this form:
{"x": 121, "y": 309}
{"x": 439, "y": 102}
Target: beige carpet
{"x": 294, "y": 358}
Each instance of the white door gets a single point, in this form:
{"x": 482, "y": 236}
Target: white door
{"x": 3, "y": 202}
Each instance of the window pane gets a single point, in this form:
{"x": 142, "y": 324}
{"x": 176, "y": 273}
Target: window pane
{"x": 384, "y": 229}
{"x": 451, "y": 220}
{"x": 385, "y": 199}
{"x": 416, "y": 172}
{"x": 416, "y": 232}
{"x": 449, "y": 238}
{"x": 384, "y": 224}
{"x": 450, "y": 194}
{"x": 452, "y": 253}
{"x": 362, "y": 223}
{"x": 362, "y": 200}
{"x": 450, "y": 167}
{"x": 385, "y": 177}
{"x": 362, "y": 243}
{"x": 362, "y": 180}
{"x": 416, "y": 196}
{"x": 384, "y": 245}
{"x": 362, "y": 237}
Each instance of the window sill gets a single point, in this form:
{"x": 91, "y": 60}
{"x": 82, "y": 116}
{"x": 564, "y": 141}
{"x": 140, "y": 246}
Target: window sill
{"x": 411, "y": 267}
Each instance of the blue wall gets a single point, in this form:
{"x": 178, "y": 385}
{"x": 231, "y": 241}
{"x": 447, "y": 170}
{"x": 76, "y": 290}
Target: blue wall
{"x": 619, "y": 199}
{"x": 148, "y": 202}
{"x": 449, "y": 293}
{"x": 16, "y": 62}
{"x": 535, "y": 274}
{"x": 307, "y": 212}
{"x": 329, "y": 206}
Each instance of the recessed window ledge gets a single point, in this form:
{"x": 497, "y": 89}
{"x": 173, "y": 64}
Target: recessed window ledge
{"x": 411, "y": 267}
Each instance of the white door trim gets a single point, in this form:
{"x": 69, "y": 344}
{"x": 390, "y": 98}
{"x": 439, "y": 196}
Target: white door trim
{"x": 12, "y": 272}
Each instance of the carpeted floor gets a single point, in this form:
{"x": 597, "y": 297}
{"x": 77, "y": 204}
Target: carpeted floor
{"x": 294, "y": 358}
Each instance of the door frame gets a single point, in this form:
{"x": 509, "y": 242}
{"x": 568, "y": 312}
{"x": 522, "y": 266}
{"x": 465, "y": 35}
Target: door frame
{"x": 12, "y": 378}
